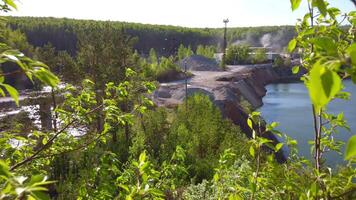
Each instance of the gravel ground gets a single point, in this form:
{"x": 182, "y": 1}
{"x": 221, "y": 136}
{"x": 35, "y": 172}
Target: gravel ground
{"x": 199, "y": 63}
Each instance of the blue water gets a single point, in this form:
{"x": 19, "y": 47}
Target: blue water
{"x": 289, "y": 105}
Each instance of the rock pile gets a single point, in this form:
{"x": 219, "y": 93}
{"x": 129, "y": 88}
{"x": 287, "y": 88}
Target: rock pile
{"x": 199, "y": 63}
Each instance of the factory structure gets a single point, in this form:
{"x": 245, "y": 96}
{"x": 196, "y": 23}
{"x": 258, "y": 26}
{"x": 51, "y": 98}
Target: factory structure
{"x": 271, "y": 54}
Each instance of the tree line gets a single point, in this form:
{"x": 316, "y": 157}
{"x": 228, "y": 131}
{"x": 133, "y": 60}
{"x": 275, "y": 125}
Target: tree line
{"x": 130, "y": 149}
{"x": 63, "y": 34}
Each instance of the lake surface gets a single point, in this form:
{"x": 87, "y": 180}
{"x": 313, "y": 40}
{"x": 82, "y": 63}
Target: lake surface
{"x": 289, "y": 105}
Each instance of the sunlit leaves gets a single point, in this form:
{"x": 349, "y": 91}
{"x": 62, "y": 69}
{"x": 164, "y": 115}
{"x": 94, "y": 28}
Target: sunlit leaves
{"x": 295, "y": 4}
{"x": 29, "y": 67}
{"x": 323, "y": 85}
{"x": 334, "y": 12}
{"x": 292, "y": 44}
{"x": 12, "y": 91}
{"x": 321, "y": 5}
{"x": 272, "y": 126}
{"x": 2, "y": 79}
{"x": 314, "y": 189}
{"x": 150, "y": 86}
{"x": 249, "y": 123}
{"x": 352, "y": 18}
{"x": 252, "y": 151}
{"x": 352, "y": 53}
{"x": 278, "y": 147}
{"x": 351, "y": 148}
{"x": 21, "y": 186}
{"x": 295, "y": 69}
{"x": 130, "y": 73}
{"x": 10, "y": 3}
{"x": 4, "y": 169}
{"x": 142, "y": 171}
{"x": 46, "y": 77}
{"x": 326, "y": 44}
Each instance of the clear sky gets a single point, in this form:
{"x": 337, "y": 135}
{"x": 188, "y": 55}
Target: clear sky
{"x": 189, "y": 13}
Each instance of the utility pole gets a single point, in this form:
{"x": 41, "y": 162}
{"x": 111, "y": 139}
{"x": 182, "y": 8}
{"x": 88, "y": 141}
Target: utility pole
{"x": 225, "y": 30}
{"x": 186, "y": 86}
{"x": 225, "y": 43}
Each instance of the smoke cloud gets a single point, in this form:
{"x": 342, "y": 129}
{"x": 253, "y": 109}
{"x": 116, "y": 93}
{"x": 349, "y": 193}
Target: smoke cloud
{"x": 276, "y": 41}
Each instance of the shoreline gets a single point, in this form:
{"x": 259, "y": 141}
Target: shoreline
{"x": 228, "y": 90}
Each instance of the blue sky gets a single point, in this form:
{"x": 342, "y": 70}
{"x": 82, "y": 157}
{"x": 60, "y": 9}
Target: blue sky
{"x": 190, "y": 13}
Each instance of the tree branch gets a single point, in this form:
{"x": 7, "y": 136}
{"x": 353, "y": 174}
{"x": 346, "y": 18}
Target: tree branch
{"x": 74, "y": 149}
{"x": 11, "y": 73}
{"x": 49, "y": 143}
{"x": 345, "y": 193}
{"x": 353, "y": 1}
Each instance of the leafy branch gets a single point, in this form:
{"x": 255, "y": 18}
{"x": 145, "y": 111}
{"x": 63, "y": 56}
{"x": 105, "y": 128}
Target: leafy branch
{"x": 50, "y": 141}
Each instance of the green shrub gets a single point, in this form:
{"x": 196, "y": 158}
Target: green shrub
{"x": 238, "y": 54}
{"x": 259, "y": 56}
{"x": 206, "y": 51}
{"x": 278, "y": 61}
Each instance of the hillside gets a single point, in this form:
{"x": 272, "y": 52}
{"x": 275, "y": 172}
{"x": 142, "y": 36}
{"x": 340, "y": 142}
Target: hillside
{"x": 62, "y": 33}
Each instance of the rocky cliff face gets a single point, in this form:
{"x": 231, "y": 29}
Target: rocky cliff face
{"x": 229, "y": 90}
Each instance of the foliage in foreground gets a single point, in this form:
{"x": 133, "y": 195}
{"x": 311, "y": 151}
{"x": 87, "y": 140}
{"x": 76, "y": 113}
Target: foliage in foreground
{"x": 178, "y": 151}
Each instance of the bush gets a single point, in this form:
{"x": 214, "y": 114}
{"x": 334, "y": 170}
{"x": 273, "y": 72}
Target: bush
{"x": 278, "y": 61}
{"x": 259, "y": 56}
{"x": 239, "y": 54}
{"x": 204, "y": 134}
{"x": 206, "y": 51}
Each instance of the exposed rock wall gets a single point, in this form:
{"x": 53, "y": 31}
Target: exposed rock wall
{"x": 227, "y": 90}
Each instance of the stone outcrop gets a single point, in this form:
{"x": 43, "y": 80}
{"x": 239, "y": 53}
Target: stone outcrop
{"x": 227, "y": 90}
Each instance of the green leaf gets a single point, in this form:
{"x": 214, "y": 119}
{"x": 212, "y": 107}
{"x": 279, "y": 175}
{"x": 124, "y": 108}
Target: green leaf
{"x": 124, "y": 187}
{"x": 265, "y": 141}
{"x": 314, "y": 189}
{"x": 272, "y": 126}
{"x": 35, "y": 189}
{"x": 11, "y": 3}
{"x": 157, "y": 192}
{"x": 351, "y": 148}
{"x": 129, "y": 72}
{"x": 323, "y": 85}
{"x": 252, "y": 151}
{"x": 36, "y": 179}
{"x": 295, "y": 4}
{"x": 352, "y": 53}
{"x": 269, "y": 145}
{"x": 30, "y": 197}
{"x": 321, "y": 5}
{"x": 47, "y": 77}
{"x": 295, "y": 69}
{"x": 216, "y": 177}
{"x": 4, "y": 169}
{"x": 2, "y": 93}
{"x": 292, "y": 44}
{"x": 334, "y": 12}
{"x": 12, "y": 91}
{"x": 326, "y": 44}
{"x": 142, "y": 157}
{"x": 249, "y": 123}
{"x": 235, "y": 197}
{"x": 353, "y": 78}
{"x": 40, "y": 195}
{"x": 292, "y": 142}
{"x": 278, "y": 147}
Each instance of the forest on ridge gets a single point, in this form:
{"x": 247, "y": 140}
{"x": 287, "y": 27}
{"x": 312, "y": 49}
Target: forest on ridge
{"x": 100, "y": 133}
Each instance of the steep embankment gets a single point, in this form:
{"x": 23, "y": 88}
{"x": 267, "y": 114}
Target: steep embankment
{"x": 230, "y": 90}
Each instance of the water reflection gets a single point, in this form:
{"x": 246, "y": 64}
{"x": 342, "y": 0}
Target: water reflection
{"x": 289, "y": 104}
